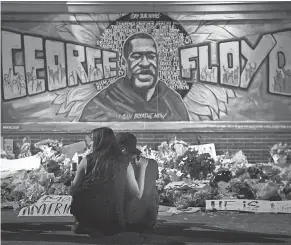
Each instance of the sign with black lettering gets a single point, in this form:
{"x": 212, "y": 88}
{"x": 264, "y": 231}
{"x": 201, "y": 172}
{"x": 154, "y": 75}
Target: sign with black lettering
{"x": 256, "y": 206}
{"x": 205, "y": 148}
{"x": 49, "y": 205}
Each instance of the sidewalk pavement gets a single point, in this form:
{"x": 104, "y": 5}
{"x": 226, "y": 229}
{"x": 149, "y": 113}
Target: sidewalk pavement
{"x": 173, "y": 229}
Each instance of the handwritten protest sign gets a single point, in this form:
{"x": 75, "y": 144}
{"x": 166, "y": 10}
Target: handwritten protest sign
{"x": 205, "y": 148}
{"x": 244, "y": 205}
{"x": 8, "y": 146}
{"x": 49, "y": 205}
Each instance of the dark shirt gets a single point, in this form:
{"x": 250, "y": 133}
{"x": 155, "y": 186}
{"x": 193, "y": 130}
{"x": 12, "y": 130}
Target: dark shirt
{"x": 99, "y": 203}
{"x": 142, "y": 213}
{"x": 120, "y": 99}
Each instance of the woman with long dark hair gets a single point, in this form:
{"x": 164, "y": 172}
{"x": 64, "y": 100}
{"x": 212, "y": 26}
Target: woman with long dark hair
{"x": 98, "y": 189}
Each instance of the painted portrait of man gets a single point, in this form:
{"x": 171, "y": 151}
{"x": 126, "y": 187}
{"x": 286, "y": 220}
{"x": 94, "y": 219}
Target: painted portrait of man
{"x": 139, "y": 92}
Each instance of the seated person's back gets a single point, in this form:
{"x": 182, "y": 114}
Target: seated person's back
{"x": 143, "y": 212}
{"x": 98, "y": 189}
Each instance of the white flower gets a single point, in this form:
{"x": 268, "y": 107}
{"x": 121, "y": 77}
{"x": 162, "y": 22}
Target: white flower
{"x": 181, "y": 163}
{"x": 179, "y": 173}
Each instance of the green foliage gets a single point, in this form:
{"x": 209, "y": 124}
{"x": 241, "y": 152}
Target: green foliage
{"x": 198, "y": 166}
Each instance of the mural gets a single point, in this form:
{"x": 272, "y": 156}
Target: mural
{"x": 145, "y": 67}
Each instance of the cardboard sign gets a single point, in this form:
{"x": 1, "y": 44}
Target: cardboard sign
{"x": 244, "y": 205}
{"x": 205, "y": 148}
{"x": 8, "y": 146}
{"x": 70, "y": 150}
{"x": 49, "y": 205}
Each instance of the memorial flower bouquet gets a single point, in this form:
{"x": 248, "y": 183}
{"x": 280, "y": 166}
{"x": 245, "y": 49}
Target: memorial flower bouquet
{"x": 280, "y": 152}
{"x": 197, "y": 166}
{"x": 25, "y": 150}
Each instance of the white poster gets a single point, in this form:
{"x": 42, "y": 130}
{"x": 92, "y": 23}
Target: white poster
{"x": 205, "y": 148}
{"x": 27, "y": 163}
{"x": 256, "y": 206}
{"x": 49, "y": 205}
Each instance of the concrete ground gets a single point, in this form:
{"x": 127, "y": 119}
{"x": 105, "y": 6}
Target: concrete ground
{"x": 192, "y": 228}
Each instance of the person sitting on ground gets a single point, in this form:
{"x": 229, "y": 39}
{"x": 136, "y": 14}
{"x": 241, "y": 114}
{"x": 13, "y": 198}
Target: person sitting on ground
{"x": 98, "y": 189}
{"x": 141, "y": 214}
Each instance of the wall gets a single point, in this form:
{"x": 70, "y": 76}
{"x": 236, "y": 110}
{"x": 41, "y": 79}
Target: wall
{"x": 254, "y": 145}
{"x": 177, "y": 67}
{"x": 66, "y": 71}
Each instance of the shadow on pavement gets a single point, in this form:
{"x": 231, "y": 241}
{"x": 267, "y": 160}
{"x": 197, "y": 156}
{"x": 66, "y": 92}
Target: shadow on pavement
{"x": 199, "y": 232}
{"x": 165, "y": 233}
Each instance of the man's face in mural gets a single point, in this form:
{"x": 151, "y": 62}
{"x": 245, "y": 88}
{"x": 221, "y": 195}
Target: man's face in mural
{"x": 142, "y": 63}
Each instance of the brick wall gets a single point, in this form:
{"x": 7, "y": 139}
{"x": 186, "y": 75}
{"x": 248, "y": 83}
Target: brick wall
{"x": 255, "y": 145}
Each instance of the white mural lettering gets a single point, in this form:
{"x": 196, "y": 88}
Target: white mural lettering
{"x": 207, "y": 71}
{"x": 30, "y": 69}
{"x": 34, "y": 65}
{"x": 255, "y": 57}
{"x": 229, "y": 63}
{"x": 56, "y": 65}
{"x": 109, "y": 63}
{"x": 13, "y": 75}
{"x": 280, "y": 65}
{"x": 95, "y": 67}
{"x": 68, "y": 64}
{"x": 75, "y": 60}
{"x": 188, "y": 61}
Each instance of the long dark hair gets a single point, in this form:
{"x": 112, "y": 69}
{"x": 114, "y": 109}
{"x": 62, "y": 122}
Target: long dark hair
{"x": 106, "y": 154}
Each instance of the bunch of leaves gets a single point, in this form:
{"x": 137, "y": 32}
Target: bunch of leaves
{"x": 26, "y": 188}
{"x": 16, "y": 195}
{"x": 167, "y": 155}
{"x": 222, "y": 175}
{"x": 200, "y": 197}
{"x": 53, "y": 167}
{"x": 34, "y": 192}
{"x": 5, "y": 194}
{"x": 184, "y": 200}
{"x": 287, "y": 188}
{"x": 236, "y": 185}
{"x": 240, "y": 171}
{"x": 285, "y": 174}
{"x": 281, "y": 149}
{"x": 163, "y": 180}
{"x": 66, "y": 178}
{"x": 241, "y": 189}
{"x": 54, "y": 145}
{"x": 255, "y": 171}
{"x": 170, "y": 197}
{"x": 275, "y": 175}
{"x": 198, "y": 166}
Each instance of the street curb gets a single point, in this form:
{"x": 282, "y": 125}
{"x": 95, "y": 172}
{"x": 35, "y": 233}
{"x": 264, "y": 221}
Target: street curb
{"x": 162, "y": 209}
